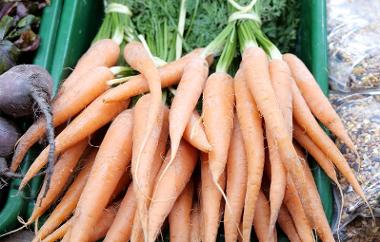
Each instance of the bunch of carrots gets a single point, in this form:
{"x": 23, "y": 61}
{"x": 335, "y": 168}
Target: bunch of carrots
{"x": 162, "y": 163}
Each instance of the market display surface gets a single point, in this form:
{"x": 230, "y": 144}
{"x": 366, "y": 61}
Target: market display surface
{"x": 184, "y": 121}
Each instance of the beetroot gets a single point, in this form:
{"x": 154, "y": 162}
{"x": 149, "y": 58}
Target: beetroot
{"x": 8, "y": 137}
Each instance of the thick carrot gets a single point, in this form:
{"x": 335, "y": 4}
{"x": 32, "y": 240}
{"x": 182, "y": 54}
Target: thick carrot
{"x": 297, "y": 212}
{"x": 62, "y": 171}
{"x": 142, "y": 165}
{"x": 218, "y": 113}
{"x": 170, "y": 186}
{"x": 69, "y": 201}
{"x": 316, "y": 100}
{"x": 313, "y": 149}
{"x": 195, "y": 234}
{"x": 100, "y": 229}
{"x": 236, "y": 184}
{"x": 180, "y": 216}
{"x": 169, "y": 74}
{"x": 121, "y": 227}
{"x": 253, "y": 137}
{"x": 307, "y": 122}
{"x": 261, "y": 220}
{"x": 64, "y": 107}
{"x": 102, "y": 53}
{"x": 255, "y": 67}
{"x": 210, "y": 202}
{"x": 110, "y": 164}
{"x": 195, "y": 133}
{"x": 281, "y": 82}
{"x": 96, "y": 115}
{"x": 286, "y": 224}
{"x": 185, "y": 100}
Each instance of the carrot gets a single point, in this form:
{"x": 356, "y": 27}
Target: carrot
{"x": 255, "y": 67}
{"x": 180, "y": 215}
{"x": 280, "y": 77}
{"x": 99, "y": 230}
{"x": 297, "y": 212}
{"x": 318, "y": 155}
{"x": 316, "y": 100}
{"x": 121, "y": 227}
{"x": 210, "y": 201}
{"x": 169, "y": 74}
{"x": 69, "y": 201}
{"x": 286, "y": 223}
{"x": 143, "y": 163}
{"x": 110, "y": 163}
{"x": 185, "y": 100}
{"x": 261, "y": 219}
{"x": 307, "y": 122}
{"x": 218, "y": 111}
{"x": 169, "y": 188}
{"x": 253, "y": 137}
{"x": 195, "y": 134}
{"x": 195, "y": 234}
{"x": 102, "y": 53}
{"x": 137, "y": 231}
{"x": 64, "y": 107}
{"x": 121, "y": 186}
{"x": 236, "y": 184}
{"x": 96, "y": 115}
{"x": 62, "y": 171}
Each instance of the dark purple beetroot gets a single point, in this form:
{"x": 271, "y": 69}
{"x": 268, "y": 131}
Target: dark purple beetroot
{"x": 8, "y": 137}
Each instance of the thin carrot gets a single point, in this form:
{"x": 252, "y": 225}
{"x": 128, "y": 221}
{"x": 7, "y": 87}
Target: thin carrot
{"x": 255, "y": 67}
{"x": 170, "y": 187}
{"x": 64, "y": 107}
{"x": 316, "y": 100}
{"x": 69, "y": 201}
{"x": 121, "y": 227}
{"x": 286, "y": 223}
{"x": 253, "y": 137}
{"x": 307, "y": 122}
{"x": 180, "y": 215}
{"x": 195, "y": 235}
{"x": 218, "y": 113}
{"x": 62, "y": 171}
{"x": 236, "y": 184}
{"x": 261, "y": 219}
{"x": 169, "y": 74}
{"x": 121, "y": 186}
{"x": 137, "y": 234}
{"x": 195, "y": 133}
{"x": 210, "y": 202}
{"x": 96, "y": 115}
{"x": 59, "y": 233}
{"x": 281, "y": 82}
{"x": 110, "y": 163}
{"x": 185, "y": 100}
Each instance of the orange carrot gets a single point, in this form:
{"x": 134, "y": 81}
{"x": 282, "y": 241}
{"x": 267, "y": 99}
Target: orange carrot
{"x": 316, "y": 100}
{"x": 169, "y": 188}
{"x": 318, "y": 155}
{"x": 253, "y": 137}
{"x": 236, "y": 184}
{"x": 307, "y": 122}
{"x": 210, "y": 201}
{"x": 286, "y": 223}
{"x": 185, "y": 100}
{"x": 255, "y": 67}
{"x": 195, "y": 133}
{"x": 297, "y": 212}
{"x": 137, "y": 234}
{"x": 169, "y": 74}
{"x": 96, "y": 115}
{"x": 69, "y": 201}
{"x": 110, "y": 163}
{"x": 62, "y": 171}
{"x": 58, "y": 233}
{"x": 180, "y": 216}
{"x": 261, "y": 219}
{"x": 142, "y": 166}
{"x": 121, "y": 227}
{"x": 195, "y": 235}
{"x": 218, "y": 111}
{"x": 64, "y": 107}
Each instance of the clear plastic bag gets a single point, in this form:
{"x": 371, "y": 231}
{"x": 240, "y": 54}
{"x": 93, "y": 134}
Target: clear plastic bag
{"x": 360, "y": 113}
{"x": 354, "y": 51}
